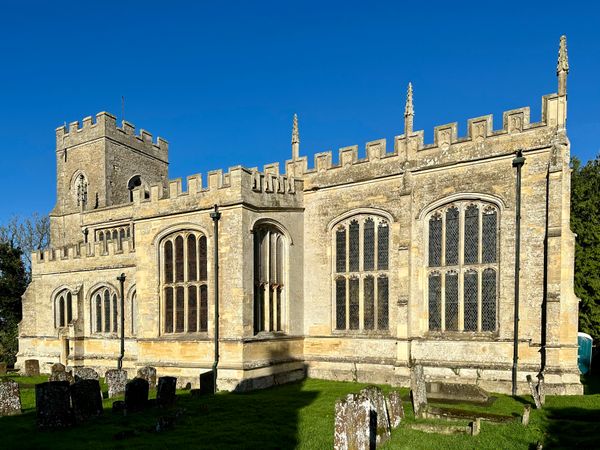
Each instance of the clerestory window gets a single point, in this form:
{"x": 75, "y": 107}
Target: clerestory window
{"x": 184, "y": 284}
{"x": 360, "y": 273}
{"x": 462, "y": 267}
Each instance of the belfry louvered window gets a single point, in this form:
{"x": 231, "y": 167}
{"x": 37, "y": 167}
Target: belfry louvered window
{"x": 184, "y": 283}
{"x": 360, "y": 274}
{"x": 462, "y": 273}
{"x": 105, "y": 311}
{"x": 269, "y": 279}
{"x": 63, "y": 308}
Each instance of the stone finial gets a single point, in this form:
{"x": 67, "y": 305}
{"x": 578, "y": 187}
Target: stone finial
{"x": 409, "y": 111}
{"x": 562, "y": 66}
{"x": 295, "y": 139}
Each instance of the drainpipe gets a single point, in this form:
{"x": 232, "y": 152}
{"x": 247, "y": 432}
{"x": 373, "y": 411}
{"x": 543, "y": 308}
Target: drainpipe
{"x": 121, "y": 280}
{"x": 216, "y": 216}
{"x": 518, "y": 164}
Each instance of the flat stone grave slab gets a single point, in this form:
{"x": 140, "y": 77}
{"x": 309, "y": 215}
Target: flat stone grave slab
{"x": 116, "y": 381}
{"x": 86, "y": 399}
{"x": 473, "y": 429}
{"x": 149, "y": 374}
{"x": 453, "y": 414}
{"x": 10, "y": 398}
{"x": 458, "y": 393}
{"x": 32, "y": 368}
{"x": 165, "y": 393}
{"x": 355, "y": 424}
{"x": 136, "y": 395}
{"x": 53, "y": 405}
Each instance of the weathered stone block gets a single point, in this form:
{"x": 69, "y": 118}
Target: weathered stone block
{"x": 355, "y": 424}
{"x": 10, "y": 398}
{"x": 418, "y": 390}
{"x": 394, "y": 408}
{"x": 86, "y": 399}
{"x": 149, "y": 374}
{"x": 53, "y": 405}
{"x": 32, "y": 368}
{"x": 116, "y": 381}
{"x": 85, "y": 373}
{"x": 136, "y": 395}
{"x": 58, "y": 372}
{"x": 165, "y": 393}
{"x": 375, "y": 395}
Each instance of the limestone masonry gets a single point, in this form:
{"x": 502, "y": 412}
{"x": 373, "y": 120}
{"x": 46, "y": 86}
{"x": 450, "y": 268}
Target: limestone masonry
{"x": 351, "y": 270}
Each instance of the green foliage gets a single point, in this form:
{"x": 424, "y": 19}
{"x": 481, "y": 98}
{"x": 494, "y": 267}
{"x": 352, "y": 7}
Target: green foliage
{"x": 13, "y": 282}
{"x": 585, "y": 222}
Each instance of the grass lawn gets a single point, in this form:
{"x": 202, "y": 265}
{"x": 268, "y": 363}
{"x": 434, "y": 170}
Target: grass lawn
{"x": 300, "y": 415}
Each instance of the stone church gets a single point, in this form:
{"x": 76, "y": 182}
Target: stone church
{"x": 350, "y": 268}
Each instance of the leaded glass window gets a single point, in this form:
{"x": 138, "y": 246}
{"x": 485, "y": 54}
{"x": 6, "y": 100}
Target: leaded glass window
{"x": 463, "y": 258}
{"x": 360, "y": 278}
{"x": 270, "y": 249}
{"x": 63, "y": 308}
{"x": 184, "y": 281}
{"x": 105, "y": 310}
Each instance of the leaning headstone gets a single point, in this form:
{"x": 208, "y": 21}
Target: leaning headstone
{"x": 136, "y": 395}
{"x": 10, "y": 398}
{"x": 2, "y": 368}
{"x": 475, "y": 427}
{"x": 85, "y": 373}
{"x": 541, "y": 390}
{"x": 32, "y": 368}
{"x": 165, "y": 393}
{"x": 149, "y": 374}
{"x": 534, "y": 392}
{"x": 394, "y": 408}
{"x": 116, "y": 380}
{"x": 207, "y": 383}
{"x": 526, "y": 413}
{"x": 418, "y": 390}
{"x": 355, "y": 423}
{"x": 375, "y": 394}
{"x": 58, "y": 372}
{"x": 86, "y": 399}
{"x": 53, "y": 405}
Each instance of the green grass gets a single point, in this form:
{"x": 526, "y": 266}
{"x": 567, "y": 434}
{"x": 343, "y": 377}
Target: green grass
{"x": 301, "y": 416}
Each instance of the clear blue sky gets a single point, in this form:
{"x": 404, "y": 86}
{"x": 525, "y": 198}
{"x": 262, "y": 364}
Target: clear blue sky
{"x": 221, "y": 81}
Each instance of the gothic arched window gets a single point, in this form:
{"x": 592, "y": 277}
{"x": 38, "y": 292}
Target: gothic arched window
{"x": 105, "y": 310}
{"x": 463, "y": 267}
{"x": 63, "y": 308}
{"x": 80, "y": 186}
{"x": 270, "y": 250}
{"x": 360, "y": 278}
{"x": 184, "y": 282}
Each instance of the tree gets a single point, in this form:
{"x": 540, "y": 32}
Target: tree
{"x": 29, "y": 235}
{"x": 13, "y": 283}
{"x": 585, "y": 222}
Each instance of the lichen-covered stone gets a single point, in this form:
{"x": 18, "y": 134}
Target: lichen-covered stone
{"x": 375, "y": 395}
{"x": 10, "y": 398}
{"x": 85, "y": 373}
{"x": 86, "y": 399}
{"x": 534, "y": 392}
{"x": 136, "y": 395}
{"x": 165, "y": 392}
{"x": 394, "y": 408}
{"x": 355, "y": 424}
{"x": 53, "y": 405}
{"x": 149, "y": 374}
{"x": 116, "y": 381}
{"x": 525, "y": 416}
{"x": 32, "y": 368}
{"x": 58, "y": 372}
{"x": 418, "y": 390}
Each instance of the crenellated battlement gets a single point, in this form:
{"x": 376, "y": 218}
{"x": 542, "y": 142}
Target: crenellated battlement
{"x": 105, "y": 126}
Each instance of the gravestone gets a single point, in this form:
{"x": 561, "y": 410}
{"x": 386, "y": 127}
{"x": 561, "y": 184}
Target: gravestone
{"x": 355, "y": 424}
{"x": 116, "y": 380}
{"x": 394, "y": 408}
{"x": 118, "y": 406}
{"x": 418, "y": 390}
{"x": 165, "y": 393}
{"x": 534, "y": 392}
{"x": 207, "y": 383}
{"x": 10, "y": 398}
{"x": 541, "y": 389}
{"x": 149, "y": 374}
{"x": 475, "y": 427}
{"x": 86, "y": 399}
{"x": 32, "y": 368}
{"x": 85, "y": 373}
{"x": 53, "y": 405}
{"x": 375, "y": 395}
{"x": 58, "y": 372}
{"x": 526, "y": 414}
{"x": 136, "y": 395}
{"x": 2, "y": 368}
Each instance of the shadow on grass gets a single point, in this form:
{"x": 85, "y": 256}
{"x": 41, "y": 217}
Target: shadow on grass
{"x": 572, "y": 428}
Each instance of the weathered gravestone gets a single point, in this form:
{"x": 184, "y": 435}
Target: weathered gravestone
{"x": 149, "y": 374}
{"x": 32, "y": 368}
{"x": 541, "y": 390}
{"x": 53, "y": 405}
{"x": 165, "y": 393}
{"x": 86, "y": 399}
{"x": 355, "y": 424}
{"x": 116, "y": 381}
{"x": 136, "y": 395}
{"x": 418, "y": 390}
{"x": 207, "y": 383}
{"x": 85, "y": 373}
{"x": 534, "y": 392}
{"x": 2, "y": 368}
{"x": 58, "y": 372}
{"x": 526, "y": 414}
{"x": 375, "y": 394}
{"x": 10, "y": 398}
{"x": 394, "y": 408}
